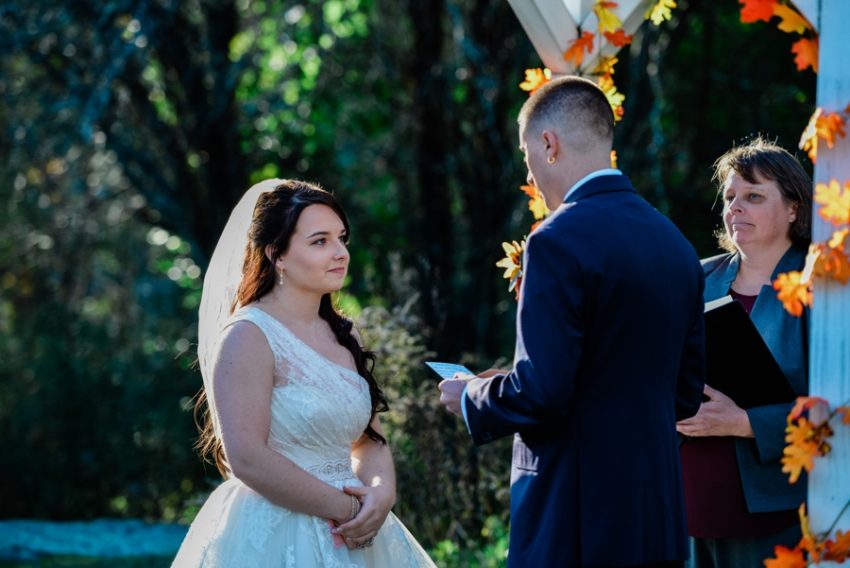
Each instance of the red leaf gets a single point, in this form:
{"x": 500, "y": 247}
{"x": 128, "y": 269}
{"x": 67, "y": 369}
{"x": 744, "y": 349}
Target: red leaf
{"x": 619, "y": 38}
{"x": 575, "y": 53}
{"x": 806, "y": 51}
{"x": 755, "y": 10}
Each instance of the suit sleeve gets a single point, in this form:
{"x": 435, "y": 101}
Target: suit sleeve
{"x": 768, "y": 424}
{"x": 550, "y": 334}
{"x": 692, "y": 368}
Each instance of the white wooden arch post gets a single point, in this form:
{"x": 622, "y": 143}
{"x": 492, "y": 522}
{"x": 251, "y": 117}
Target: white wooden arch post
{"x": 829, "y": 365}
{"x": 552, "y": 26}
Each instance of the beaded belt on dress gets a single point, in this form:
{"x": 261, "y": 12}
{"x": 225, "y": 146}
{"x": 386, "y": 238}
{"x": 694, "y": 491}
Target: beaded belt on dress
{"x": 332, "y": 470}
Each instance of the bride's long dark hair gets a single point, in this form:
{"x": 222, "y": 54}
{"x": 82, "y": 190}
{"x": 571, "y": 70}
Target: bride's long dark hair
{"x": 275, "y": 216}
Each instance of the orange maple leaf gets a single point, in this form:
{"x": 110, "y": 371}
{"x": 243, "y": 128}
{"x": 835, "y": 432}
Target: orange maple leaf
{"x": 793, "y": 292}
{"x": 804, "y": 403}
{"x": 534, "y": 79}
{"x": 799, "y": 431}
{"x": 792, "y": 20}
{"x": 797, "y": 457}
{"x": 830, "y": 125}
{"x": 536, "y": 203}
{"x": 835, "y": 201}
{"x": 844, "y": 411}
{"x": 786, "y": 558}
{"x": 575, "y": 53}
{"x": 838, "y": 550}
{"x": 618, "y": 38}
{"x": 831, "y": 261}
{"x": 806, "y": 51}
{"x": 755, "y": 10}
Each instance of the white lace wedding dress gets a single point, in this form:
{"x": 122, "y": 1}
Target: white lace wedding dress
{"x": 318, "y": 409}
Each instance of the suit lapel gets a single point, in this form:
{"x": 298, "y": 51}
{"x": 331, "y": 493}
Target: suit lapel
{"x": 718, "y": 282}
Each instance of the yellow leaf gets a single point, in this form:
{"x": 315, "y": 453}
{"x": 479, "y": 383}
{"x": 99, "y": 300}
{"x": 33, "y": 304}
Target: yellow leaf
{"x": 615, "y": 98}
{"x": 534, "y": 79}
{"x": 536, "y": 203}
{"x": 809, "y": 138}
{"x": 838, "y": 239}
{"x": 835, "y": 201}
{"x": 605, "y": 65}
{"x": 614, "y": 159}
{"x": 660, "y": 11}
{"x": 608, "y": 20}
{"x": 792, "y": 21}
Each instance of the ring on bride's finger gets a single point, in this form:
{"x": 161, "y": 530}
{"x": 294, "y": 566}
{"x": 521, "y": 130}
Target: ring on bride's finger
{"x": 367, "y": 543}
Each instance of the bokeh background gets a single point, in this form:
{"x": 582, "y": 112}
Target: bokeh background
{"x": 129, "y": 128}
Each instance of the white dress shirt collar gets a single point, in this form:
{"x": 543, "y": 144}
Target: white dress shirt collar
{"x": 590, "y": 176}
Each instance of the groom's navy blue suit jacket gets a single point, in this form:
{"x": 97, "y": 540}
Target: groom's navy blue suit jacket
{"x": 609, "y": 355}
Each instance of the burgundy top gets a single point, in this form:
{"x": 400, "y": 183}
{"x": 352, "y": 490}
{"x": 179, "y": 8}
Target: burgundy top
{"x": 714, "y": 496}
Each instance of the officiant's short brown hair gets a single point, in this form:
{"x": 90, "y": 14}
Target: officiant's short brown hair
{"x": 762, "y": 158}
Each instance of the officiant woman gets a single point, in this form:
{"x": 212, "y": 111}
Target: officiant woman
{"x": 739, "y": 502}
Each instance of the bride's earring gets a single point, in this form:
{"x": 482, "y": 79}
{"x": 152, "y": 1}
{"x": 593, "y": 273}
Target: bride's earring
{"x": 280, "y": 277}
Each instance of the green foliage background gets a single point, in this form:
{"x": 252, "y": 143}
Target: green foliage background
{"x": 129, "y": 129}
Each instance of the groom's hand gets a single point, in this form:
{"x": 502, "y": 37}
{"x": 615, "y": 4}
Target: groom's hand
{"x": 492, "y": 372}
{"x": 451, "y": 391}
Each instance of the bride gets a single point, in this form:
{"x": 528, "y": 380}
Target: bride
{"x": 291, "y": 417}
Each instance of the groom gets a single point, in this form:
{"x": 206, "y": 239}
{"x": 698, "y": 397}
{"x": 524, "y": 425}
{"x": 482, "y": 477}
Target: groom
{"x": 609, "y": 355}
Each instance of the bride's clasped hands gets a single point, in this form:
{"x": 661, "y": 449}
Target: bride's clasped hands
{"x": 376, "y": 502}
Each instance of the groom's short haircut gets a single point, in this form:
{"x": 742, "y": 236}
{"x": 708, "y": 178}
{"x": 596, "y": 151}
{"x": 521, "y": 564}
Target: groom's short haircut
{"x": 575, "y": 106}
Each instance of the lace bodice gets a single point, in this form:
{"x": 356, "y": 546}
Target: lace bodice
{"x": 318, "y": 408}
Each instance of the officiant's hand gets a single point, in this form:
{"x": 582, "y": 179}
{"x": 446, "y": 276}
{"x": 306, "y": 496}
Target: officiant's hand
{"x": 718, "y": 416}
{"x": 451, "y": 391}
{"x": 375, "y": 505}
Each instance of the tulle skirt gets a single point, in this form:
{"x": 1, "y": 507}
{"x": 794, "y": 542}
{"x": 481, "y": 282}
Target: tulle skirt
{"x": 237, "y": 527}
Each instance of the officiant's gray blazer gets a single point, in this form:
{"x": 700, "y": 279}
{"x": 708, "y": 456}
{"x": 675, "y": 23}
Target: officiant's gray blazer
{"x": 766, "y": 487}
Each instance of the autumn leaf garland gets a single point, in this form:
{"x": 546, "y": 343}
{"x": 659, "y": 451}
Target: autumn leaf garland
{"x": 806, "y": 437}
{"x": 791, "y": 21}
{"x": 807, "y": 440}
{"x": 829, "y": 259}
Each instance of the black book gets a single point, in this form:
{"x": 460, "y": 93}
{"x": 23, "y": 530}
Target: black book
{"x": 738, "y": 362}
